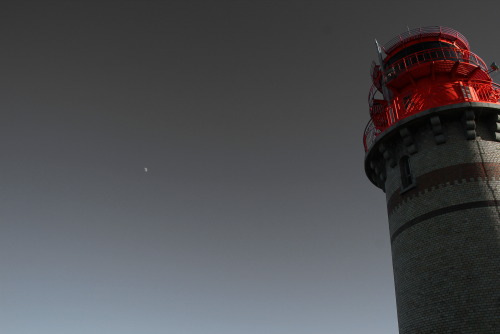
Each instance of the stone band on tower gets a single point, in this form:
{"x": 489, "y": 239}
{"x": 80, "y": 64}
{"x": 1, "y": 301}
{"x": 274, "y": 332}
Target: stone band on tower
{"x": 433, "y": 146}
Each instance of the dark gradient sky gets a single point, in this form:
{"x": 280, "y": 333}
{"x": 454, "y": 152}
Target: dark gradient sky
{"x": 255, "y": 215}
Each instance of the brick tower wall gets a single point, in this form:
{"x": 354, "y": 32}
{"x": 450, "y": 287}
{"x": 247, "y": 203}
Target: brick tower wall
{"x": 444, "y": 217}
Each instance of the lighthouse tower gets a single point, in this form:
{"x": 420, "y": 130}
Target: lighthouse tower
{"x": 433, "y": 146}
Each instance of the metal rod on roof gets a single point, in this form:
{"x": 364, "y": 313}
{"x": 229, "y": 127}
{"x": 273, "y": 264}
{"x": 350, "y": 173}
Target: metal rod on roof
{"x": 385, "y": 91}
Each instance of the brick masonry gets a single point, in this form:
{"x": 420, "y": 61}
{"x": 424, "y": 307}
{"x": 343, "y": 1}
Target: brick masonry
{"x": 445, "y": 228}
{"x": 460, "y": 173}
{"x": 442, "y": 211}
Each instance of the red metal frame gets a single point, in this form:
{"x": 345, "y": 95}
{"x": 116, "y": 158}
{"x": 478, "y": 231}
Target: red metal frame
{"x": 432, "y": 33}
{"x": 384, "y": 117}
{"x": 425, "y": 79}
{"x": 432, "y": 55}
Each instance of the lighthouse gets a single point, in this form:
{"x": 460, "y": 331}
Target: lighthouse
{"x": 433, "y": 146}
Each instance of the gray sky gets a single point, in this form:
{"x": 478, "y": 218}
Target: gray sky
{"x": 255, "y": 215}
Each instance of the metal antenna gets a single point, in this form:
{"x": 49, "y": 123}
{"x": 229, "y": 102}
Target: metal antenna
{"x": 385, "y": 91}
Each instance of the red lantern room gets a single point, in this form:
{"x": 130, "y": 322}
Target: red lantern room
{"x": 422, "y": 69}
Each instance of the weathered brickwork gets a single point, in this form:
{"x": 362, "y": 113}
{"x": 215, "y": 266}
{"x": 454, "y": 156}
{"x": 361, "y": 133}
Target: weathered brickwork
{"x": 447, "y": 274}
{"x": 445, "y": 225}
{"x": 442, "y": 211}
{"x": 441, "y": 197}
{"x": 460, "y": 173}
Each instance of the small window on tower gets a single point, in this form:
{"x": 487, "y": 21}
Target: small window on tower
{"x": 407, "y": 180}
{"x": 466, "y": 93}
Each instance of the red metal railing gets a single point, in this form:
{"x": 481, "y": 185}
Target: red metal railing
{"x": 379, "y": 108}
{"x": 434, "y": 31}
{"x": 484, "y": 91}
{"x": 452, "y": 54}
{"x": 383, "y": 114}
